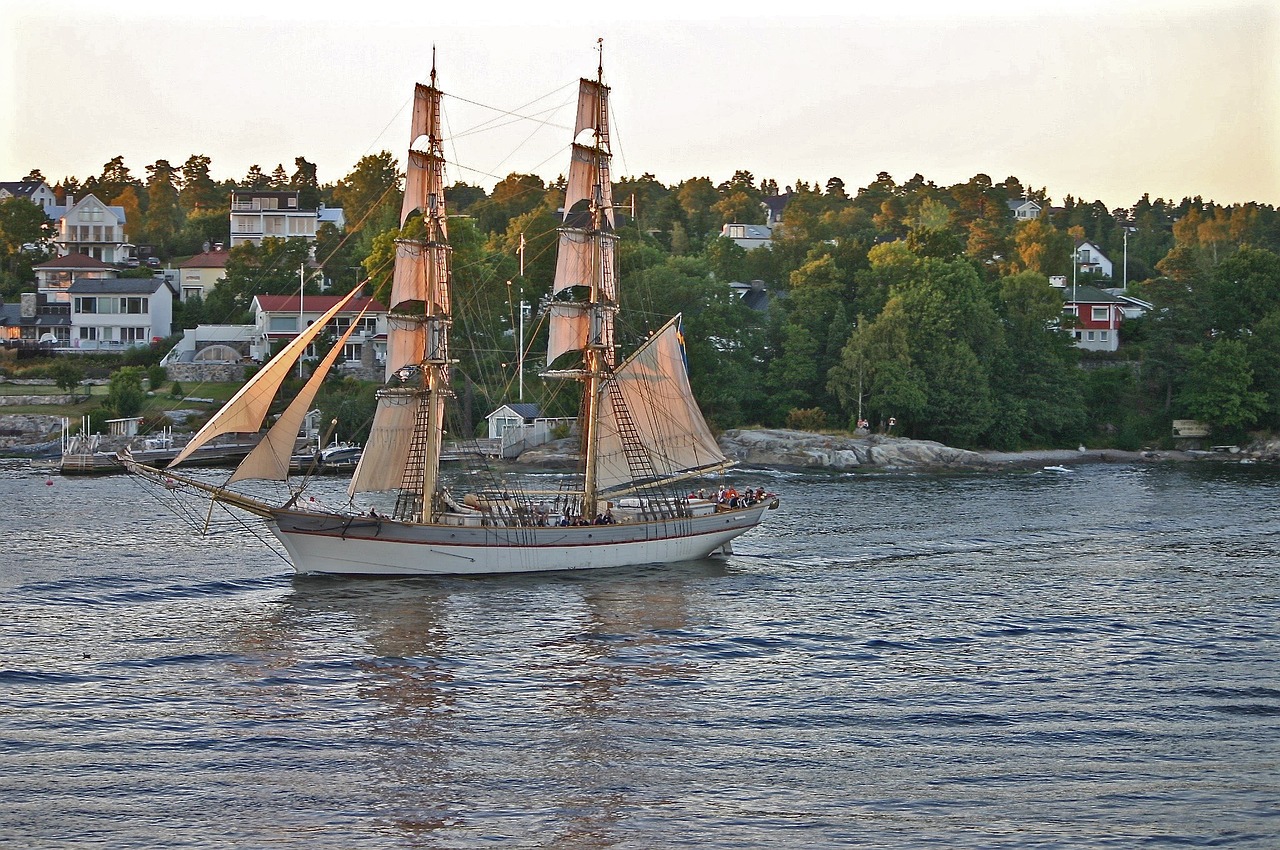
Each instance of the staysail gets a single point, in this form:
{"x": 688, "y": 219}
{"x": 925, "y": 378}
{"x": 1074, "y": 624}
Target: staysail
{"x": 270, "y": 458}
{"x": 410, "y": 410}
{"x": 248, "y": 408}
{"x": 650, "y": 391}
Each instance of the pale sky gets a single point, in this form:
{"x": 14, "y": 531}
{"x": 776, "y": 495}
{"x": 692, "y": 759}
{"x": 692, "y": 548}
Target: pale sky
{"x": 1101, "y": 100}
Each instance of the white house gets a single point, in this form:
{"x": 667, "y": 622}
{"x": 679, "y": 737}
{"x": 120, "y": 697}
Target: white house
{"x": 511, "y": 415}
{"x": 35, "y": 191}
{"x": 90, "y": 227}
{"x": 109, "y": 314}
{"x": 280, "y": 317}
{"x": 259, "y": 213}
{"x": 1090, "y": 258}
{"x": 1024, "y": 209}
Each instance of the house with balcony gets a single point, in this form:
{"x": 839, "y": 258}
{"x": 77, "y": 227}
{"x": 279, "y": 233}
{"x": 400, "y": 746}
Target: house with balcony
{"x": 259, "y": 213}
{"x": 1090, "y": 259}
{"x": 92, "y": 228}
{"x": 278, "y": 318}
{"x": 113, "y": 314}
{"x": 54, "y": 277}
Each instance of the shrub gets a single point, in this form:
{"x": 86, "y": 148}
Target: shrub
{"x": 806, "y": 419}
{"x": 176, "y": 391}
{"x": 156, "y": 376}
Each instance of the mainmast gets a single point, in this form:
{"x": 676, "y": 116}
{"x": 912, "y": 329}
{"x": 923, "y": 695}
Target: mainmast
{"x": 585, "y": 291}
{"x": 404, "y": 445}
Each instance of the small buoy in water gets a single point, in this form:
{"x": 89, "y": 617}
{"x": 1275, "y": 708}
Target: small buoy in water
{"x": 313, "y": 498}
{"x": 48, "y": 482}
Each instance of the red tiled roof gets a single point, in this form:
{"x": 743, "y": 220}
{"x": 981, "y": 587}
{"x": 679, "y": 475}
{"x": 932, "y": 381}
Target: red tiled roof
{"x": 315, "y": 303}
{"x": 73, "y": 261}
{"x": 207, "y": 260}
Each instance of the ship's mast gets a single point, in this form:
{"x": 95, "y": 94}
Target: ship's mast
{"x": 435, "y": 358}
{"x": 597, "y": 355}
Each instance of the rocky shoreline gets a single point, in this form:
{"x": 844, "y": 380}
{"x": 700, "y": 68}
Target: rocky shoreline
{"x": 783, "y": 449}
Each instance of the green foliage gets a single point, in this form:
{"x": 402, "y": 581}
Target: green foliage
{"x": 67, "y": 376}
{"x": 125, "y": 395}
{"x": 806, "y": 419}
{"x": 176, "y": 391}
{"x": 1217, "y": 387}
{"x": 156, "y": 376}
{"x": 352, "y": 403}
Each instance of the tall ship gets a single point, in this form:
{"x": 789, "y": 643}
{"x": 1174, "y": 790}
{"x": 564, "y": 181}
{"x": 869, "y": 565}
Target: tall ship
{"x": 644, "y": 442}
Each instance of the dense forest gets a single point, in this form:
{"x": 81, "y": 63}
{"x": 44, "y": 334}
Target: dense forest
{"x": 925, "y": 303}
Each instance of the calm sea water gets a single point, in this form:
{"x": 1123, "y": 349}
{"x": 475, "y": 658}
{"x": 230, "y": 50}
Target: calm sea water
{"x": 1012, "y": 660}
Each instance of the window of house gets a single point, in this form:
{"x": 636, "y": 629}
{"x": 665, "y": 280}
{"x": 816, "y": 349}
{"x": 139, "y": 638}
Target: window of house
{"x": 89, "y": 333}
{"x": 86, "y": 305}
{"x": 1101, "y": 314}
{"x": 133, "y": 304}
{"x": 273, "y": 225}
{"x": 1102, "y": 336}
{"x": 283, "y": 323}
{"x": 189, "y": 292}
{"x": 1089, "y": 336}
{"x": 351, "y": 351}
{"x": 299, "y": 226}
{"x": 133, "y": 334}
{"x": 737, "y": 231}
{"x": 293, "y": 203}
{"x": 245, "y": 223}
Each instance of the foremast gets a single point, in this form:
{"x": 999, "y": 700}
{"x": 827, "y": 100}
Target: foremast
{"x": 405, "y": 440}
{"x": 584, "y": 295}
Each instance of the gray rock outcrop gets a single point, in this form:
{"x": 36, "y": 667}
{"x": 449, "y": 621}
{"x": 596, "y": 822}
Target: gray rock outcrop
{"x": 802, "y": 449}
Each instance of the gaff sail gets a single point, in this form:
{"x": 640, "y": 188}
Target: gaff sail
{"x": 653, "y": 385}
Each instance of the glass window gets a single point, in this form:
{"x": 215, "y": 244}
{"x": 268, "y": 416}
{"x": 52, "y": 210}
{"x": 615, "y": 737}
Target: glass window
{"x": 86, "y": 305}
{"x": 1100, "y": 314}
{"x": 283, "y": 323}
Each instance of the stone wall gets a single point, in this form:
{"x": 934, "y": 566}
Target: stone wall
{"x": 197, "y": 373}
{"x": 15, "y": 400}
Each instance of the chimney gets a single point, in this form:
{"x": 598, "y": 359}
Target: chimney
{"x": 71, "y": 201}
{"x": 28, "y": 308}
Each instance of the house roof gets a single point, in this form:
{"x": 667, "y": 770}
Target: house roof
{"x": 116, "y": 286}
{"x": 1018, "y": 203}
{"x": 74, "y": 261}
{"x": 314, "y": 304}
{"x": 1083, "y": 294}
{"x": 206, "y": 260}
{"x": 749, "y": 231}
{"x": 21, "y": 188}
{"x": 523, "y": 409}
{"x": 776, "y": 204}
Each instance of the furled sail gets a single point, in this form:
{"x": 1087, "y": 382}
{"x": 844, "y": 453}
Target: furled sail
{"x": 270, "y": 458}
{"x": 656, "y": 398}
{"x": 248, "y": 407}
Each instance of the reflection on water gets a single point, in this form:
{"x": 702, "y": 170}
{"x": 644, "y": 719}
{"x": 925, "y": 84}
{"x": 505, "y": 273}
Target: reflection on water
{"x": 963, "y": 661}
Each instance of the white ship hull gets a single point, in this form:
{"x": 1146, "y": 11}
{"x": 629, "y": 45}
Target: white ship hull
{"x": 325, "y": 544}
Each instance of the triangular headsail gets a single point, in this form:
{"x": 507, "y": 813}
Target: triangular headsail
{"x": 248, "y": 408}
{"x": 270, "y": 458}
